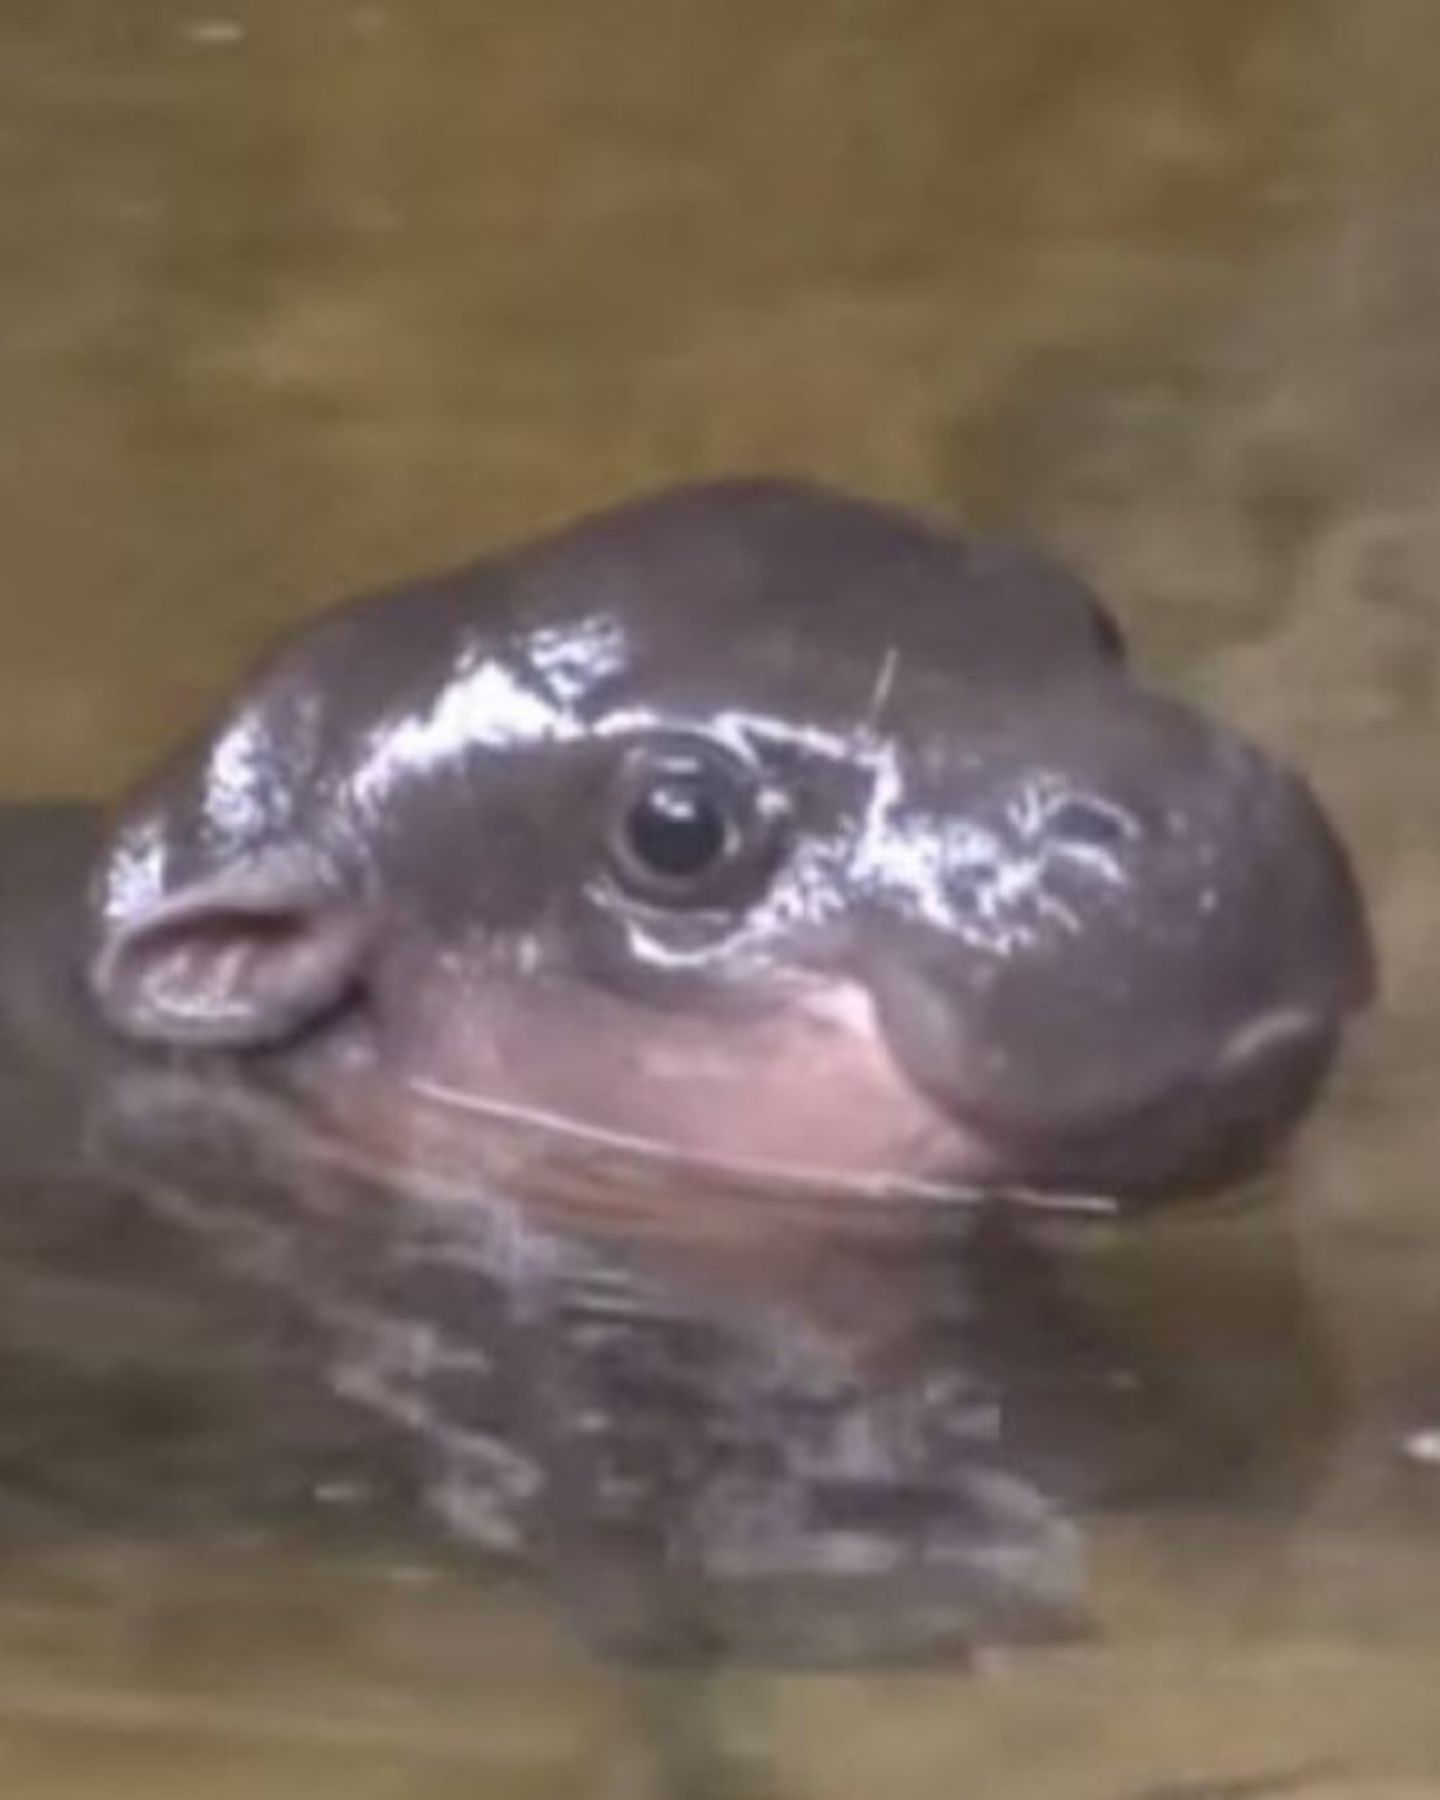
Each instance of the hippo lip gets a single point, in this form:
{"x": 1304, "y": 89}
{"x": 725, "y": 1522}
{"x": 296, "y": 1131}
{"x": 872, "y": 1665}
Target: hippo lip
{"x": 1186, "y": 1137}
{"x": 748, "y": 1170}
{"x": 457, "y": 1144}
{"x": 631, "y": 1167}
{"x": 451, "y": 1130}
{"x": 558, "y": 1087}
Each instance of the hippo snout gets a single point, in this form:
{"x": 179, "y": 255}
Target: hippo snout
{"x": 1131, "y": 968}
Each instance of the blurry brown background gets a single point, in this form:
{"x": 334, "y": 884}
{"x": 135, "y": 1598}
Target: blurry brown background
{"x": 303, "y": 294}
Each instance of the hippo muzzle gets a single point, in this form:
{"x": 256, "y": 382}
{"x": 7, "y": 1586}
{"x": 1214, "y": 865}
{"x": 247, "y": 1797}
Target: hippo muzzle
{"x": 1116, "y": 943}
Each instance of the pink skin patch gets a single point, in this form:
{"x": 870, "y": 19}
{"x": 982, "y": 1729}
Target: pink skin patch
{"x": 805, "y": 1088}
{"x": 729, "y": 1134}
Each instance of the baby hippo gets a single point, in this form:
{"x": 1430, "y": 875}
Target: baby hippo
{"x": 622, "y": 1003}
{"x": 749, "y": 831}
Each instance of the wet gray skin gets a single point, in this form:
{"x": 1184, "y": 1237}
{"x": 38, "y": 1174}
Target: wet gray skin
{"x": 628, "y": 967}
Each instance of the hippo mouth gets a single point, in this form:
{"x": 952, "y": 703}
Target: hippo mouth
{"x": 635, "y": 1163}
{"x": 1165, "y": 1132}
{"x": 478, "y": 1161}
{"x": 579, "y": 1103}
{"x": 817, "y": 1113}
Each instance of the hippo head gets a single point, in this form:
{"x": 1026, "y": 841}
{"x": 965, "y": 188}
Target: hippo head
{"x": 746, "y": 828}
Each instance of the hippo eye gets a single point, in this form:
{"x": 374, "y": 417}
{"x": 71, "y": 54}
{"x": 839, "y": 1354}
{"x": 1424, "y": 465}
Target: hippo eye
{"x": 677, "y": 830}
{"x": 688, "y": 821}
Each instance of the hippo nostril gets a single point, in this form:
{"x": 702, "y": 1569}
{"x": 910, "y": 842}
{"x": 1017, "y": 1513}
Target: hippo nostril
{"x": 1089, "y": 823}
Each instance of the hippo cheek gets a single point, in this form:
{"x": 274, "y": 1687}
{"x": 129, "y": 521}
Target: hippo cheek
{"x": 803, "y": 1092}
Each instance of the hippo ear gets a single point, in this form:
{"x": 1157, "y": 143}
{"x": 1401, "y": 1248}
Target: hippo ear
{"x": 246, "y": 957}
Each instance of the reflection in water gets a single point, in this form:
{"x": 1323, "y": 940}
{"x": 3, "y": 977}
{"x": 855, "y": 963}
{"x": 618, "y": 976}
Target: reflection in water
{"x": 884, "y": 1455}
{"x": 891, "y": 1451}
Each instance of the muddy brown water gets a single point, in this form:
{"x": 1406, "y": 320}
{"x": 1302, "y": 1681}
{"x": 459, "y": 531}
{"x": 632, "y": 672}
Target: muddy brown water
{"x": 301, "y": 295}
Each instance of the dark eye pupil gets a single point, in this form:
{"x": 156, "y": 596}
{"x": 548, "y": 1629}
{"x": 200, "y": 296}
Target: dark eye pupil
{"x": 676, "y": 830}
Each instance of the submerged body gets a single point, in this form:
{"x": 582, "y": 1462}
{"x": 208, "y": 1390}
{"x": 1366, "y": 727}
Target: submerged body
{"x": 677, "y": 929}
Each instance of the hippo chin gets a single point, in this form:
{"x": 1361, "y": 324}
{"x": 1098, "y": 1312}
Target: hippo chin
{"x": 752, "y": 828}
